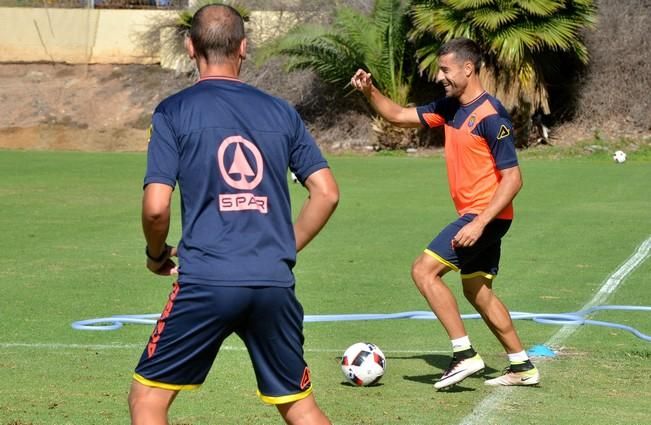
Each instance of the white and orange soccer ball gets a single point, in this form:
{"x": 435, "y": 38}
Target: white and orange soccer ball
{"x": 363, "y": 364}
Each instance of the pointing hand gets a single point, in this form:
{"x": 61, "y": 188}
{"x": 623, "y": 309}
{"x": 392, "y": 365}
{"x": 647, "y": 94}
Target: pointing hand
{"x": 362, "y": 81}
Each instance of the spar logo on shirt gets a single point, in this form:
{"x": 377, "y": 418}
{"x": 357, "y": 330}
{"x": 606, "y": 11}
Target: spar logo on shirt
{"x": 240, "y": 174}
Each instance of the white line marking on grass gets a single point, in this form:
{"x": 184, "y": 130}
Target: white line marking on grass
{"x": 482, "y": 412}
{"x": 609, "y": 287}
{"x": 57, "y": 346}
{"x": 61, "y": 346}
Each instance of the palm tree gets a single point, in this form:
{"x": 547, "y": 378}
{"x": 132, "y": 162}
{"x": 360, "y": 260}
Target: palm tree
{"x": 377, "y": 42}
{"x": 525, "y": 41}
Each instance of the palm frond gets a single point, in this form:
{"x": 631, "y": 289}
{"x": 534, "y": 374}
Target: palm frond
{"x": 376, "y": 42}
{"x": 357, "y": 28}
{"x": 297, "y": 36}
{"x": 491, "y": 19}
{"x": 540, "y": 7}
{"x": 469, "y": 4}
{"x": 391, "y": 19}
{"x": 581, "y": 52}
{"x": 449, "y": 21}
{"x": 326, "y": 55}
{"x": 510, "y": 44}
{"x": 422, "y": 17}
{"x": 557, "y": 34}
{"x": 428, "y": 59}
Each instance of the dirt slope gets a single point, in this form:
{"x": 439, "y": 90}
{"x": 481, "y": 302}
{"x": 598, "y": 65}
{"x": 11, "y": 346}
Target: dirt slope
{"x": 92, "y": 108}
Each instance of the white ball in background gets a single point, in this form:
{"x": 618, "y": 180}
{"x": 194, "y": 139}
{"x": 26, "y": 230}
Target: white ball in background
{"x": 619, "y": 157}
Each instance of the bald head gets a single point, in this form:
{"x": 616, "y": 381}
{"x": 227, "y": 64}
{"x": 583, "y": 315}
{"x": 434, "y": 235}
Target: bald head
{"x": 216, "y": 32}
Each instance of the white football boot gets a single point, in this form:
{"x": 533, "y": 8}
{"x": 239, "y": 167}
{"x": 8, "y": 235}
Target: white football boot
{"x": 459, "y": 370}
{"x": 516, "y": 377}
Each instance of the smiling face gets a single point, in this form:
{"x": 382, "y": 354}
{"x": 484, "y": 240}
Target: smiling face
{"x": 453, "y": 74}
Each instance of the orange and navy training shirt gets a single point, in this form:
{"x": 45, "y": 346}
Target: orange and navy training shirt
{"x": 478, "y": 144}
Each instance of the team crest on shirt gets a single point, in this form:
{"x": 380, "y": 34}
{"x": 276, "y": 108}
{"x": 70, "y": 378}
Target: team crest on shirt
{"x": 504, "y": 132}
{"x": 471, "y": 120}
{"x": 241, "y": 166}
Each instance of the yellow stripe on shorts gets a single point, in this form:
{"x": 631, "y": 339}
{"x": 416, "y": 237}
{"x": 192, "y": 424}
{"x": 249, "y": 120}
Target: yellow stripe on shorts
{"x": 285, "y": 398}
{"x": 441, "y": 260}
{"x": 162, "y": 385}
{"x": 478, "y": 274}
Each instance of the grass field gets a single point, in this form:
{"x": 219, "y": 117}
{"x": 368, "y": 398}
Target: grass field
{"x": 72, "y": 250}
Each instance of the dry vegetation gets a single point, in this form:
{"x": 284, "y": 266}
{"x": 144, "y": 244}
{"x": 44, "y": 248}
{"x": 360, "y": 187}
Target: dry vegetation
{"x": 612, "y": 99}
{"x": 106, "y": 107}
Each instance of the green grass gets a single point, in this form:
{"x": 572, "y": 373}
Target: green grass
{"x": 72, "y": 250}
{"x": 637, "y": 150}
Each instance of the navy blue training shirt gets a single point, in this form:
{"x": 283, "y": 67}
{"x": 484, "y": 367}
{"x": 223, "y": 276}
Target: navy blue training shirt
{"x": 229, "y": 146}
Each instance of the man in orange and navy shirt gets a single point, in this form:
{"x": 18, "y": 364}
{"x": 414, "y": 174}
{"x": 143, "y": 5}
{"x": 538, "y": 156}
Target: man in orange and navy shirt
{"x": 484, "y": 178}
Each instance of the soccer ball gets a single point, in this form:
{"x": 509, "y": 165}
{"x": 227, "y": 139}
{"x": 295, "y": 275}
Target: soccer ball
{"x": 363, "y": 364}
{"x": 619, "y": 157}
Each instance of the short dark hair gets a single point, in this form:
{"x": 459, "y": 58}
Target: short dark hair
{"x": 464, "y": 49}
{"x": 216, "y": 32}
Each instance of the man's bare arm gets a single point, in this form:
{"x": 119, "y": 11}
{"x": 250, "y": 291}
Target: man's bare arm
{"x": 156, "y": 207}
{"x": 388, "y": 109}
{"x": 317, "y": 209}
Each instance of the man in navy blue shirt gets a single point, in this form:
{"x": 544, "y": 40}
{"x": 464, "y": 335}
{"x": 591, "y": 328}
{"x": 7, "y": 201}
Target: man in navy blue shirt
{"x": 229, "y": 146}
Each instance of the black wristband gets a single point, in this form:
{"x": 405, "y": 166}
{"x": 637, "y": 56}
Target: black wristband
{"x": 160, "y": 258}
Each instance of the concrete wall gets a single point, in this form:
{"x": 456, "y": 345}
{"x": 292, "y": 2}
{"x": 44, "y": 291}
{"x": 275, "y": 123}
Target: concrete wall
{"x": 99, "y": 35}
{"x": 74, "y": 35}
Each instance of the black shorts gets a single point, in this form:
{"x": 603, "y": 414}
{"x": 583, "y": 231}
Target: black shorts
{"x": 481, "y": 259}
{"x": 198, "y": 318}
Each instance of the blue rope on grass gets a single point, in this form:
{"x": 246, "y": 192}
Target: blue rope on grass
{"x": 577, "y": 318}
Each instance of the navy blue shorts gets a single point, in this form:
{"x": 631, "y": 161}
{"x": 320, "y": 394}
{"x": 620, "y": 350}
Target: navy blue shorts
{"x": 481, "y": 259}
{"x": 198, "y": 318}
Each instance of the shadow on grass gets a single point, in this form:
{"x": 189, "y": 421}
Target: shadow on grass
{"x": 439, "y": 362}
{"x": 348, "y": 384}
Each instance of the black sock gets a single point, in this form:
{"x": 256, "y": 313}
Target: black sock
{"x": 464, "y": 354}
{"x": 521, "y": 367}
